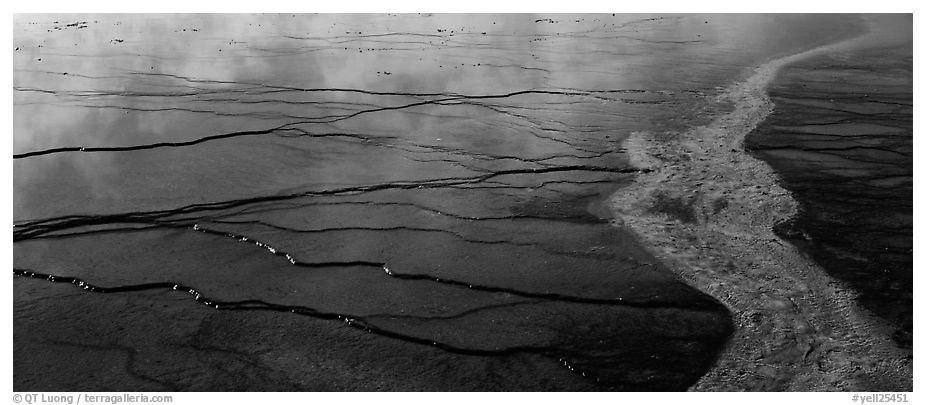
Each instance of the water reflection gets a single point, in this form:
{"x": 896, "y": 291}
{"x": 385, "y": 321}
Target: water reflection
{"x": 462, "y": 152}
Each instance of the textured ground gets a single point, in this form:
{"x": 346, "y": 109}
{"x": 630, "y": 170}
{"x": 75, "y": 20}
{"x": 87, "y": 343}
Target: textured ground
{"x": 709, "y": 209}
{"x": 841, "y": 138}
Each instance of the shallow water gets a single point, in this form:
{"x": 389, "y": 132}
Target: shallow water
{"x": 428, "y": 186}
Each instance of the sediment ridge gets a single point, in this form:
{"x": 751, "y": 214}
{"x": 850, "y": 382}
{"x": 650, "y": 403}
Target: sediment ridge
{"x": 707, "y": 209}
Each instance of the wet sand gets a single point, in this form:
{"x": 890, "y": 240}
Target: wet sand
{"x": 796, "y": 327}
{"x": 432, "y": 191}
